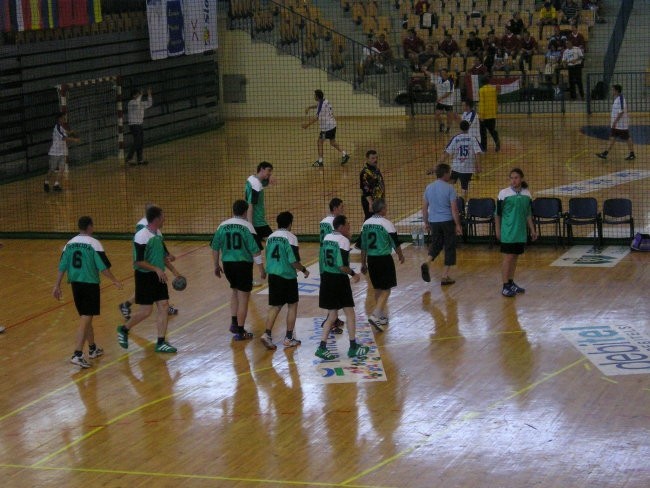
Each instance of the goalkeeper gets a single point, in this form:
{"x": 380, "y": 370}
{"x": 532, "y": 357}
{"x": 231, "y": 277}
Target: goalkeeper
{"x": 135, "y": 117}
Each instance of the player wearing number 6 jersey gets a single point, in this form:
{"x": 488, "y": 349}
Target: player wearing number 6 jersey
{"x": 378, "y": 239}
{"x": 234, "y": 244}
{"x": 83, "y": 259}
{"x": 282, "y": 262}
{"x": 335, "y": 290}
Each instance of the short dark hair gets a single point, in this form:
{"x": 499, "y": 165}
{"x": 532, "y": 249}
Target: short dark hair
{"x": 135, "y": 92}
{"x": 469, "y": 103}
{"x": 378, "y": 205}
{"x": 240, "y": 207}
{"x": 335, "y": 202}
{"x": 618, "y": 88}
{"x": 153, "y": 213}
{"x": 464, "y": 125}
{"x": 319, "y": 94}
{"x": 442, "y": 169}
{"x": 339, "y": 221}
{"x": 284, "y": 219}
{"x": 60, "y": 115}
{"x": 370, "y": 152}
{"x": 264, "y": 165}
{"x": 84, "y": 222}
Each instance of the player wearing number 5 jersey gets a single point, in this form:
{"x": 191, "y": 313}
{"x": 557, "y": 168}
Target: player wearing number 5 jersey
{"x": 335, "y": 290}
{"x": 378, "y": 239}
{"x": 282, "y": 262}
{"x": 83, "y": 259}
{"x": 337, "y": 207}
{"x": 235, "y": 246}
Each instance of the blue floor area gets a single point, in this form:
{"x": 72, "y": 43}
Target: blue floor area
{"x": 640, "y": 133}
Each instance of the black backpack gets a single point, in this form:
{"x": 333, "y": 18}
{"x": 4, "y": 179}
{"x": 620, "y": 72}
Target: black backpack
{"x": 599, "y": 92}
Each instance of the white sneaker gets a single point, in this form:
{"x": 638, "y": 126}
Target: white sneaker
{"x": 376, "y": 322}
{"x": 293, "y": 342}
{"x": 2, "y": 329}
{"x": 383, "y": 321}
{"x": 96, "y": 353}
{"x": 80, "y": 361}
{"x": 267, "y": 340}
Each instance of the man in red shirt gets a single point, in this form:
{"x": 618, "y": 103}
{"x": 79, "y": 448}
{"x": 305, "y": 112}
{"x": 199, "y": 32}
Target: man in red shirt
{"x": 528, "y": 48}
{"x": 384, "y": 52}
{"x": 577, "y": 39}
{"x": 412, "y": 46}
{"x": 510, "y": 43}
{"x": 448, "y": 47}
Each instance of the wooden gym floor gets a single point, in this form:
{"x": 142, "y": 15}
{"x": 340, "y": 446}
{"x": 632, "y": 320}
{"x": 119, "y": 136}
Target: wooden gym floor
{"x": 480, "y": 390}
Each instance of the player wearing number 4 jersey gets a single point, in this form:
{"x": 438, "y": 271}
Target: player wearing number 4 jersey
{"x": 83, "y": 259}
{"x": 282, "y": 262}
{"x": 335, "y": 290}
{"x": 234, "y": 244}
{"x": 378, "y": 239}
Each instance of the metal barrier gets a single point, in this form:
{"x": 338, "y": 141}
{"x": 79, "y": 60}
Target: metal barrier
{"x": 635, "y": 88}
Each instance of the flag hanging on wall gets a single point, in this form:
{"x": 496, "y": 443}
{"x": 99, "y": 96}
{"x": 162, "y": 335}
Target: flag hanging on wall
{"x": 181, "y": 27}
{"x": 22, "y": 15}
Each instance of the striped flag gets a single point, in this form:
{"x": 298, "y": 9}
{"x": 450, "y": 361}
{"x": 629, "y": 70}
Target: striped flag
{"x": 22, "y": 15}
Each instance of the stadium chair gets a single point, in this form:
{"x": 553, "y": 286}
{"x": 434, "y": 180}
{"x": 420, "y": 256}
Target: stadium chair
{"x": 440, "y": 63}
{"x": 369, "y": 25}
{"x": 465, "y": 6}
{"x": 372, "y": 10}
{"x": 457, "y": 64}
{"x": 583, "y": 211}
{"x": 444, "y": 21}
{"x": 548, "y": 211}
{"x": 384, "y": 24}
{"x": 618, "y": 211}
{"x": 492, "y": 19}
{"x": 480, "y": 211}
{"x": 482, "y": 6}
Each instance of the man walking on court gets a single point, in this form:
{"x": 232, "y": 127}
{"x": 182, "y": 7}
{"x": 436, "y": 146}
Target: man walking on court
{"x": 150, "y": 281}
{"x": 441, "y": 218}
{"x": 335, "y": 290}
{"x": 282, "y": 264}
{"x": 487, "y": 111}
{"x": 325, "y": 117}
{"x": 135, "y": 117}
{"x": 83, "y": 259}
{"x": 234, "y": 245}
{"x": 620, "y": 124}
{"x": 464, "y": 151}
{"x": 337, "y": 207}
{"x": 378, "y": 239}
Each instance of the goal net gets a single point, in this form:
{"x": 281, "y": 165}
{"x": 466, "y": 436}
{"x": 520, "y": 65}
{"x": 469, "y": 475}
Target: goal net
{"x": 94, "y": 113}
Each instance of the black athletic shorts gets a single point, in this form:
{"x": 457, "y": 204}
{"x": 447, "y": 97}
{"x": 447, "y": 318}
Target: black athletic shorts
{"x": 282, "y": 290}
{"x": 86, "y": 297}
{"x": 464, "y": 178}
{"x": 512, "y": 247}
{"x": 446, "y": 108}
{"x": 149, "y": 289}
{"x": 623, "y": 134}
{"x": 262, "y": 233}
{"x": 335, "y": 291}
{"x": 328, "y": 134}
{"x": 239, "y": 274}
{"x": 382, "y": 272}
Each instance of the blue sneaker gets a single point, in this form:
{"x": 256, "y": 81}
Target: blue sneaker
{"x": 518, "y": 289}
{"x": 508, "y": 291}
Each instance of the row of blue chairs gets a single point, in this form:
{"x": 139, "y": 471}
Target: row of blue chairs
{"x": 547, "y": 212}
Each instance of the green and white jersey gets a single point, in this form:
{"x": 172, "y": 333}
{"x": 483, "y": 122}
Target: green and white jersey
{"x": 142, "y": 223}
{"x": 326, "y": 227}
{"x": 334, "y": 253}
{"x": 281, "y": 253}
{"x": 234, "y": 239}
{"x": 149, "y": 247}
{"x": 83, "y": 259}
{"x": 514, "y": 208}
{"x": 378, "y": 236}
{"x": 254, "y": 195}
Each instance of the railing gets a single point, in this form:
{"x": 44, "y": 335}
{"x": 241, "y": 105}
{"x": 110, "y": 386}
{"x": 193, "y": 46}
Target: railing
{"x": 635, "y": 89}
{"x": 303, "y": 34}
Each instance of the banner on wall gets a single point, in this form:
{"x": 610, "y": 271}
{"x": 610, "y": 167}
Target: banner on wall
{"x": 23, "y": 15}
{"x": 181, "y": 27}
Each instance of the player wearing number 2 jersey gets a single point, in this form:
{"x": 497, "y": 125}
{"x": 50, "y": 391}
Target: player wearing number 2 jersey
{"x": 378, "y": 239}
{"x": 282, "y": 261}
{"x": 83, "y": 259}
{"x": 335, "y": 291}
{"x": 234, "y": 244}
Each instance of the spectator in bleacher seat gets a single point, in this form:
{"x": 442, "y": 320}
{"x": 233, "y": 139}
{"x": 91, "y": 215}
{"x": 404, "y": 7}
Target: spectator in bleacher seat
{"x": 448, "y": 47}
{"x": 572, "y": 58}
{"x": 490, "y": 46}
{"x": 478, "y": 69}
{"x": 421, "y": 6}
{"x": 502, "y": 61}
{"x": 595, "y": 6}
{"x": 427, "y": 58}
{"x": 412, "y": 46}
{"x": 516, "y": 24}
{"x": 559, "y": 37}
{"x": 370, "y": 62}
{"x": 547, "y": 14}
{"x": 135, "y": 117}
{"x": 510, "y": 43}
{"x": 553, "y": 57}
{"x": 385, "y": 53}
{"x": 577, "y": 39}
{"x": 570, "y": 12}
{"x": 528, "y": 48}
{"x": 473, "y": 45}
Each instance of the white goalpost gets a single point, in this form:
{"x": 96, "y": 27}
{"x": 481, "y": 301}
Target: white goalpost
{"x": 93, "y": 110}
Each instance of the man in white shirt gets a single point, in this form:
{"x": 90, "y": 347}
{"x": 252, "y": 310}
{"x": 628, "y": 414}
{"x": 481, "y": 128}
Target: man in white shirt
{"x": 327, "y": 122}
{"x": 463, "y": 148}
{"x": 445, "y": 99}
{"x": 135, "y": 118}
{"x": 620, "y": 127}
{"x": 58, "y": 153}
{"x": 572, "y": 58}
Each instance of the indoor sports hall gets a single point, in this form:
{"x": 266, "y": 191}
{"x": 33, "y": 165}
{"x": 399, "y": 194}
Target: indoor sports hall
{"x": 465, "y": 387}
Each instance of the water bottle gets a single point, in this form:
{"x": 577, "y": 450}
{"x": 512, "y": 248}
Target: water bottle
{"x": 414, "y": 236}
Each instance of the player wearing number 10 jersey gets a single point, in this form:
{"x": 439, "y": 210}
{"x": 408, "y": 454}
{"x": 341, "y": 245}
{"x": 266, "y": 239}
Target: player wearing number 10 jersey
{"x": 378, "y": 239}
{"x": 83, "y": 259}
{"x": 234, "y": 244}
